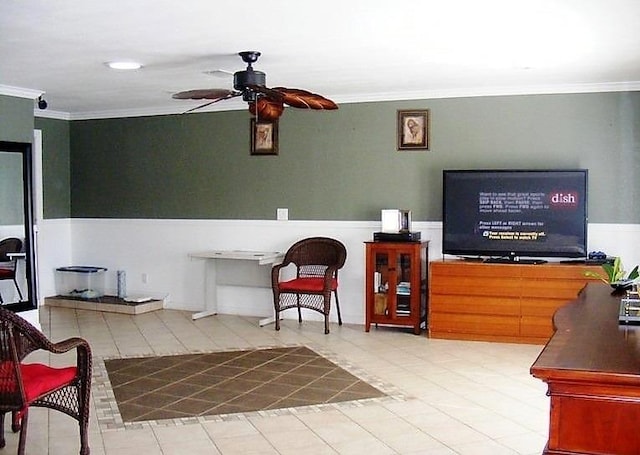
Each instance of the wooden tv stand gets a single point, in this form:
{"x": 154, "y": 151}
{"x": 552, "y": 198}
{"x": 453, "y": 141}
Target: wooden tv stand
{"x": 591, "y": 368}
{"x": 500, "y": 302}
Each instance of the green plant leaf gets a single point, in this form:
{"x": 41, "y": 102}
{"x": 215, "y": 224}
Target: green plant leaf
{"x": 592, "y": 274}
{"x": 614, "y": 272}
{"x": 610, "y": 270}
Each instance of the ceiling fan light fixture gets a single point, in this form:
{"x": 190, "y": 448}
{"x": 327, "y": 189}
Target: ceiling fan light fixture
{"x": 124, "y": 65}
{"x": 249, "y": 77}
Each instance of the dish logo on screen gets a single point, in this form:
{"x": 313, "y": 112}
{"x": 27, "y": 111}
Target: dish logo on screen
{"x": 563, "y": 199}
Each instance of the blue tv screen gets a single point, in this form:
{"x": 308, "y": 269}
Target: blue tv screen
{"x": 515, "y": 213}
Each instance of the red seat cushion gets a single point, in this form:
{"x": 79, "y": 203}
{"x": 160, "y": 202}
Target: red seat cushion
{"x": 39, "y": 379}
{"x": 6, "y": 273}
{"x": 306, "y": 285}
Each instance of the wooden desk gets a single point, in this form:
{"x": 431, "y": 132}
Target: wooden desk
{"x": 234, "y": 268}
{"x": 592, "y": 368}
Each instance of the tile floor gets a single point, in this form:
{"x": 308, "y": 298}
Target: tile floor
{"x": 452, "y": 397}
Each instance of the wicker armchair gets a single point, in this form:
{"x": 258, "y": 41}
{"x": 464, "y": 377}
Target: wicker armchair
{"x": 32, "y": 384}
{"x": 317, "y": 261}
{"x": 8, "y": 266}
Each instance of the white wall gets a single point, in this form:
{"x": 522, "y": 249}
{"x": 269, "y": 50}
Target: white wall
{"x": 12, "y": 230}
{"x": 54, "y": 249}
{"x": 160, "y": 248}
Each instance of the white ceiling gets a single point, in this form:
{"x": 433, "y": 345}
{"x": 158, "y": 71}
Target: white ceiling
{"x": 346, "y": 50}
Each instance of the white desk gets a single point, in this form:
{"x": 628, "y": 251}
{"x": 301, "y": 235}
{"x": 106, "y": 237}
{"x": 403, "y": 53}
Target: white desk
{"x": 234, "y": 268}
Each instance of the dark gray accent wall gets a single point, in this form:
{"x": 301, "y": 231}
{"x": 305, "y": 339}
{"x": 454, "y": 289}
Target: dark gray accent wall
{"x": 343, "y": 165}
{"x": 56, "y": 167}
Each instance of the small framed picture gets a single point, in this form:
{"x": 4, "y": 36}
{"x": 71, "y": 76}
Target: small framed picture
{"x": 264, "y": 137}
{"x": 413, "y": 130}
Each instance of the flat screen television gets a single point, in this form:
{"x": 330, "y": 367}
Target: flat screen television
{"x": 506, "y": 215}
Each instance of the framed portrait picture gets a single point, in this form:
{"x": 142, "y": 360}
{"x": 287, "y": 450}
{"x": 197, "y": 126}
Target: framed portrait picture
{"x": 264, "y": 137}
{"x": 413, "y": 130}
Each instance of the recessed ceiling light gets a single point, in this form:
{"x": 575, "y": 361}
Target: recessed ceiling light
{"x": 128, "y": 65}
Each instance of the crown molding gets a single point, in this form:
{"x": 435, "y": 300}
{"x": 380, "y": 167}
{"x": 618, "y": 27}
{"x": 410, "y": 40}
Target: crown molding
{"x": 232, "y": 105}
{"x": 48, "y": 113}
{"x": 20, "y": 92}
{"x": 474, "y": 92}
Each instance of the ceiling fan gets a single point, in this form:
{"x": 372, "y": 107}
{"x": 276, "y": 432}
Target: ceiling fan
{"x": 265, "y": 103}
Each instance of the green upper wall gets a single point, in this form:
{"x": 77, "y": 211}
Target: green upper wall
{"x": 16, "y": 119}
{"x": 343, "y": 165}
{"x": 11, "y": 189}
{"x": 340, "y": 165}
{"x": 16, "y": 125}
{"x": 56, "y": 167}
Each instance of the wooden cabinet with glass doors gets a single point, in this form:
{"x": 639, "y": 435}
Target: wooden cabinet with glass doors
{"x": 396, "y": 283}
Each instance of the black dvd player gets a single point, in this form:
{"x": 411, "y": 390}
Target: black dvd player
{"x": 396, "y": 236}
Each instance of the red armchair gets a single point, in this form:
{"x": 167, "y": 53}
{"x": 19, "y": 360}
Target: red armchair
{"x": 317, "y": 261}
{"x": 23, "y": 385}
{"x": 8, "y": 266}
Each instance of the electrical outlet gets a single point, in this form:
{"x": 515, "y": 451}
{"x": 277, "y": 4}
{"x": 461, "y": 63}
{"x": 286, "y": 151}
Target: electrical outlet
{"x": 145, "y": 278}
{"x": 282, "y": 214}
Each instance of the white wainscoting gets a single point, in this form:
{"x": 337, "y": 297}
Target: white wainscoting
{"x": 54, "y": 249}
{"x": 9, "y": 230}
{"x": 158, "y": 250}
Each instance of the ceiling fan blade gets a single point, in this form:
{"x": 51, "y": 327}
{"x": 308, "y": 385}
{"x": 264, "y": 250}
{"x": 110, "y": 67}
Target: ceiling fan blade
{"x": 296, "y": 97}
{"x": 205, "y": 94}
{"x": 201, "y": 106}
{"x": 233, "y": 94}
{"x": 266, "y": 108}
